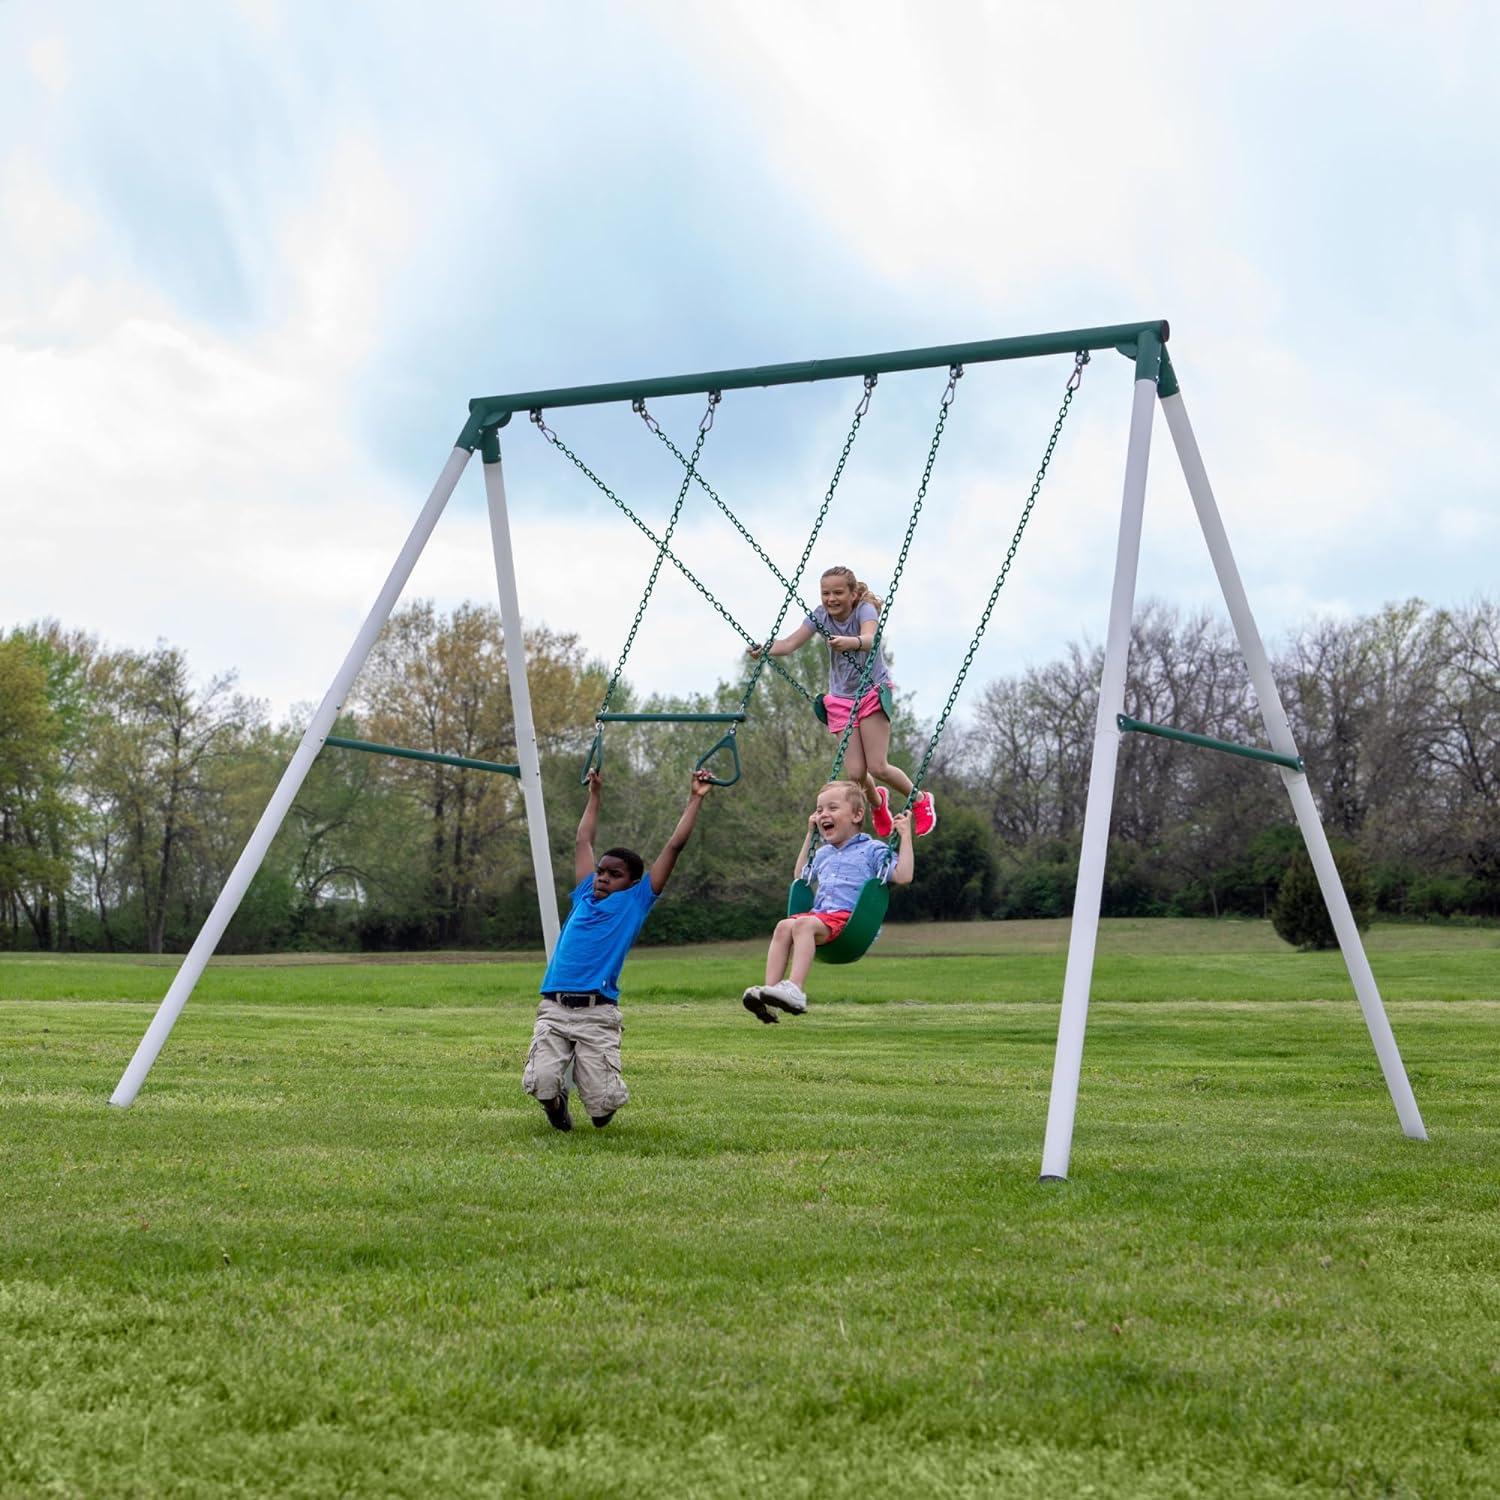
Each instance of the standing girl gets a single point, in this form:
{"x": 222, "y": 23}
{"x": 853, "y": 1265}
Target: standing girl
{"x": 847, "y": 619}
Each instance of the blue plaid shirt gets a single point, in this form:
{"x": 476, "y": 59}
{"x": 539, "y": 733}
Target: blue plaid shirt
{"x": 839, "y": 871}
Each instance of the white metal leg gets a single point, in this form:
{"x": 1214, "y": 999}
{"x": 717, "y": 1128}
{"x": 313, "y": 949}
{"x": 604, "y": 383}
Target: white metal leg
{"x": 1068, "y": 1060}
{"x": 291, "y": 781}
{"x": 1278, "y": 730}
{"x": 520, "y": 697}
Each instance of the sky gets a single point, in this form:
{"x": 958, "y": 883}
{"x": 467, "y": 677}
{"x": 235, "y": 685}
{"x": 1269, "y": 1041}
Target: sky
{"x": 255, "y": 258}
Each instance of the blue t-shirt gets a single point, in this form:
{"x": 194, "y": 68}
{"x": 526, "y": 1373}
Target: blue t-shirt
{"x": 840, "y": 871}
{"x": 596, "y": 937}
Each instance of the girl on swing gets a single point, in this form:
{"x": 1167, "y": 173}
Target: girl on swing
{"x": 846, "y": 619}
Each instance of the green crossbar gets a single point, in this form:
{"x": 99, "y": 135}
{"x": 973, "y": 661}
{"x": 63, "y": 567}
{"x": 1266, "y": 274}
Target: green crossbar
{"x": 464, "y": 761}
{"x": 668, "y": 718}
{"x": 489, "y": 412}
{"x": 1250, "y": 752}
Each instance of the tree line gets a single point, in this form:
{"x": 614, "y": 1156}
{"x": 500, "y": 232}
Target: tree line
{"x": 128, "y": 786}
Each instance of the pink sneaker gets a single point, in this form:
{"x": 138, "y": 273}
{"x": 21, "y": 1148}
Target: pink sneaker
{"x": 923, "y": 814}
{"x": 880, "y": 814}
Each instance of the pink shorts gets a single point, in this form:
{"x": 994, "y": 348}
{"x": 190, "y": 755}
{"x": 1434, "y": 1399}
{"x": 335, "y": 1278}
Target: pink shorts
{"x": 837, "y": 709}
{"x": 834, "y": 921}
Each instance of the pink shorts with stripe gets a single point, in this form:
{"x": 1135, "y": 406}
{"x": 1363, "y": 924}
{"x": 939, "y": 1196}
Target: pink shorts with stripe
{"x": 837, "y": 709}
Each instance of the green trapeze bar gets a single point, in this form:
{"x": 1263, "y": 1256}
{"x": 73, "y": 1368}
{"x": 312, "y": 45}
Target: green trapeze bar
{"x": 443, "y": 760}
{"x": 734, "y": 718}
{"x": 1250, "y": 752}
{"x": 489, "y": 412}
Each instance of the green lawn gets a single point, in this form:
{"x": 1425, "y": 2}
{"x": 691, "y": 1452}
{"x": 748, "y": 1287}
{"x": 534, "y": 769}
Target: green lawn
{"x": 334, "y": 1250}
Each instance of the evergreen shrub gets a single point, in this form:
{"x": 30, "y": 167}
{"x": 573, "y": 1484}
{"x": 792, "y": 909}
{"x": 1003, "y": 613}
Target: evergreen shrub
{"x": 1299, "y": 913}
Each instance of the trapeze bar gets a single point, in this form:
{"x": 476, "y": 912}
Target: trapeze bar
{"x": 432, "y": 755}
{"x": 733, "y": 718}
{"x": 1250, "y": 752}
{"x": 487, "y": 412}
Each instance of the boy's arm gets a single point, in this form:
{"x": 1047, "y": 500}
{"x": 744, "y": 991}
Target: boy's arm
{"x": 588, "y": 826}
{"x": 661, "y": 871}
{"x": 806, "y": 850}
{"x": 906, "y": 859}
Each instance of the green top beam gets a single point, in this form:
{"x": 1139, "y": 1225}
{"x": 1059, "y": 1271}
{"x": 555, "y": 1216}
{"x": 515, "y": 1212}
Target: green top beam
{"x": 490, "y": 412}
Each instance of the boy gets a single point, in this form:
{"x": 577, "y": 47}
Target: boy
{"x": 578, "y": 1019}
{"x": 848, "y": 857}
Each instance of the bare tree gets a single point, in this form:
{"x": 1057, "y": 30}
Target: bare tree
{"x": 441, "y": 684}
{"x": 151, "y": 746}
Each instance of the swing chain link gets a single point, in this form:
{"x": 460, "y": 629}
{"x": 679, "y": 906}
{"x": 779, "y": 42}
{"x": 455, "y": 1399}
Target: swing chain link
{"x": 817, "y": 526}
{"x": 661, "y": 551}
{"x": 713, "y": 495}
{"x": 652, "y": 537}
{"x": 955, "y": 374}
{"x": 787, "y": 583}
{"x": 1074, "y": 381}
{"x": 707, "y": 421}
{"x": 638, "y": 406}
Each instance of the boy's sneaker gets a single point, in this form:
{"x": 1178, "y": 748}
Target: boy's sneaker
{"x": 557, "y": 1112}
{"x": 600, "y": 1121}
{"x": 881, "y": 822}
{"x": 923, "y": 815}
{"x": 756, "y": 1005}
{"x": 785, "y": 996}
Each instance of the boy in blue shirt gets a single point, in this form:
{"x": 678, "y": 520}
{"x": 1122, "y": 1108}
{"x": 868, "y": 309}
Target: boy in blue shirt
{"x": 847, "y": 858}
{"x": 578, "y": 1019}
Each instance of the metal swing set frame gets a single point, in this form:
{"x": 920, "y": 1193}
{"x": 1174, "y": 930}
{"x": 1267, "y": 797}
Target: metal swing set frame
{"x": 1155, "y": 381}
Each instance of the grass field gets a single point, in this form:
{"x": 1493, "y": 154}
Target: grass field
{"x": 334, "y": 1250}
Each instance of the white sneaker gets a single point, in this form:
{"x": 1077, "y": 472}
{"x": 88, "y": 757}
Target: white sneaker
{"x": 785, "y": 996}
{"x": 757, "y": 1006}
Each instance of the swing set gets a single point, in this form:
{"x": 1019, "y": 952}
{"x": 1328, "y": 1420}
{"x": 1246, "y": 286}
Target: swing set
{"x": 1155, "y": 382}
{"x": 870, "y": 909}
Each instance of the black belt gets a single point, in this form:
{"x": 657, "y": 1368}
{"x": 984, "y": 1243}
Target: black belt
{"x": 576, "y": 998}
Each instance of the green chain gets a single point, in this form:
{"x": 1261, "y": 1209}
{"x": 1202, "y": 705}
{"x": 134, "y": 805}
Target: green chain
{"x": 812, "y": 537}
{"x": 639, "y": 407}
{"x": 658, "y": 543}
{"x": 707, "y": 422}
{"x": 955, "y": 374}
{"x": 1074, "y": 381}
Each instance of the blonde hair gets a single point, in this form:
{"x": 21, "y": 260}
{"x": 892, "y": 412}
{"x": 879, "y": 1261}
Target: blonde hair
{"x": 854, "y": 792}
{"x": 857, "y": 586}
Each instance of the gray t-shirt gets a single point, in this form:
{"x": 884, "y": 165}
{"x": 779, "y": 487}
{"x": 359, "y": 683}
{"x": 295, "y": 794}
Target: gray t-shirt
{"x": 845, "y": 666}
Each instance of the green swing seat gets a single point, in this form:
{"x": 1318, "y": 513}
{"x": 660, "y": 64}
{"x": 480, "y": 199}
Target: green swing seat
{"x": 859, "y": 931}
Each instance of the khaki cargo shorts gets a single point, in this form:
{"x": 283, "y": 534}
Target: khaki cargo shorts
{"x": 587, "y": 1038}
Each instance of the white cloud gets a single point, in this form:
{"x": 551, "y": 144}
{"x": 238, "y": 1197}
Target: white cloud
{"x": 266, "y": 18}
{"x": 50, "y": 62}
{"x": 345, "y": 249}
{"x": 203, "y": 487}
{"x": 40, "y": 221}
